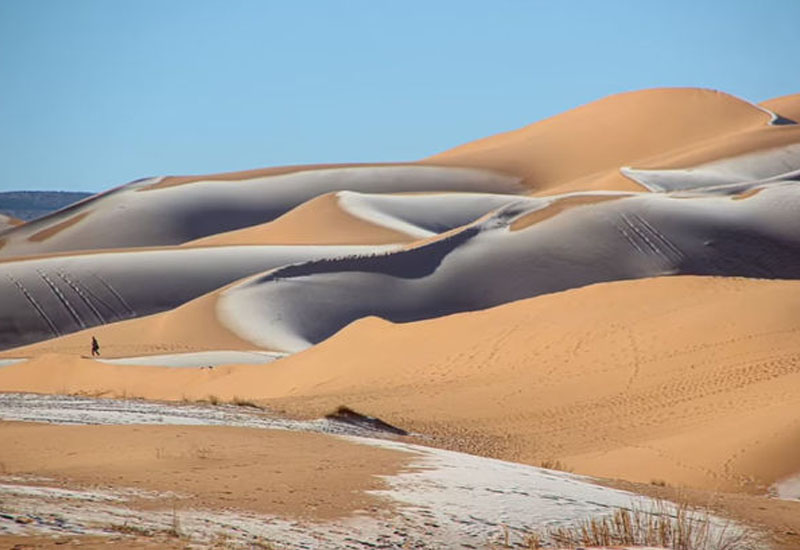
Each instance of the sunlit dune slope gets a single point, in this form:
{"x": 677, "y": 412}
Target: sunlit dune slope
{"x": 347, "y": 217}
{"x": 625, "y": 379}
{"x": 603, "y": 135}
{"x": 787, "y": 106}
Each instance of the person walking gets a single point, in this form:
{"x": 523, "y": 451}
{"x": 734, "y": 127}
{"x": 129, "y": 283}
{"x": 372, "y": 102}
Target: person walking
{"x": 95, "y": 347}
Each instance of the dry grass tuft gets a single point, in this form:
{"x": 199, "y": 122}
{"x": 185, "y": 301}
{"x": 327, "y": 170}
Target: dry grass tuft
{"x": 675, "y": 527}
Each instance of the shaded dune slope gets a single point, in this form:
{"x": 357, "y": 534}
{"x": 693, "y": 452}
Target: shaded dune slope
{"x": 347, "y": 217}
{"x": 486, "y": 264}
{"x": 44, "y": 298}
{"x": 135, "y": 216}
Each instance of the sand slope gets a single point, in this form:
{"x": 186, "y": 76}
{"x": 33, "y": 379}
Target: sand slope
{"x": 626, "y": 379}
{"x": 489, "y": 262}
{"x": 137, "y": 215}
{"x": 48, "y": 297}
{"x": 347, "y": 217}
{"x": 609, "y": 133}
{"x": 787, "y": 106}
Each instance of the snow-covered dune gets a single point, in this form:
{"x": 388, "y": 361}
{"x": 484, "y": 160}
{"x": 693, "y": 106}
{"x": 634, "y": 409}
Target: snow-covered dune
{"x": 347, "y": 217}
{"x": 520, "y": 252}
{"x": 48, "y": 297}
{"x": 139, "y": 214}
{"x": 782, "y": 162}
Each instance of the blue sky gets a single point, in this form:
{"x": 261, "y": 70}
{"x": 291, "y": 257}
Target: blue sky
{"x": 97, "y": 93}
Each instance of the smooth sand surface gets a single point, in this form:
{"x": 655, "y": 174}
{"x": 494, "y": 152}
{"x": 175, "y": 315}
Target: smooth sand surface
{"x": 318, "y": 221}
{"x": 188, "y": 328}
{"x": 347, "y": 217}
{"x": 488, "y": 263}
{"x": 274, "y": 472}
{"x": 136, "y": 215}
{"x": 627, "y": 379}
{"x": 53, "y": 296}
{"x": 615, "y": 131}
{"x": 787, "y": 106}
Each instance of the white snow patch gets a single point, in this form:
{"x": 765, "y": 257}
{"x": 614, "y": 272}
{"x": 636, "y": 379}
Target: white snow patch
{"x": 780, "y": 162}
{"x": 199, "y": 359}
{"x": 787, "y": 489}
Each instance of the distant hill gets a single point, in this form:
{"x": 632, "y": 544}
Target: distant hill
{"x": 28, "y": 205}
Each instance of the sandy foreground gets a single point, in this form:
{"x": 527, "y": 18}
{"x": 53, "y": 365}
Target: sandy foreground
{"x": 617, "y": 380}
{"x": 241, "y": 482}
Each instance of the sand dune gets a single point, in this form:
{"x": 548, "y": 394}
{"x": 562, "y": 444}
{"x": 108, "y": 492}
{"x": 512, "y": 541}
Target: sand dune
{"x": 764, "y": 154}
{"x": 136, "y": 215}
{"x": 787, "y": 106}
{"x": 624, "y": 379}
{"x": 347, "y": 217}
{"x": 489, "y": 263}
{"x": 615, "y": 131}
{"x": 49, "y": 297}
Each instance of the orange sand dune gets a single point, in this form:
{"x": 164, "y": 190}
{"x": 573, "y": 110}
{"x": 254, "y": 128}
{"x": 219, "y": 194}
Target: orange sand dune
{"x": 606, "y": 134}
{"x": 624, "y": 379}
{"x": 615, "y": 131}
{"x": 318, "y": 221}
{"x": 787, "y": 106}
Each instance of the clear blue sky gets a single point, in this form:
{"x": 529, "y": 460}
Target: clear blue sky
{"x": 94, "y": 93}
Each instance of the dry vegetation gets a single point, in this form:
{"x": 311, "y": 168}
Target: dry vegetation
{"x": 663, "y": 525}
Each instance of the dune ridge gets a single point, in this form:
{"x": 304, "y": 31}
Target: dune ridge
{"x": 636, "y": 236}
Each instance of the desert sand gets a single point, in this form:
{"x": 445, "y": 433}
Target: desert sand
{"x": 611, "y": 291}
{"x": 787, "y": 106}
{"x": 615, "y": 380}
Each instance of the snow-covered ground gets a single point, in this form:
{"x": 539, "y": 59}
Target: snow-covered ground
{"x": 788, "y": 489}
{"x": 446, "y": 499}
